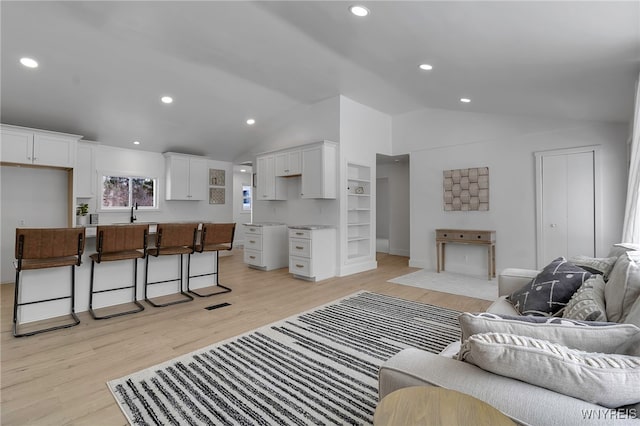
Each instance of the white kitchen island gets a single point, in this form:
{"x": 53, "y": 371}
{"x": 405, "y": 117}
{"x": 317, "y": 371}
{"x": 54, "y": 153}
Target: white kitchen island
{"x": 49, "y": 283}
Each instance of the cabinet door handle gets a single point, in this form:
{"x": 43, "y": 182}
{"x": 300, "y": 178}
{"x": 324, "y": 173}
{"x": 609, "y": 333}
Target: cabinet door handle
{"x": 252, "y": 257}
{"x": 252, "y": 229}
{"x": 299, "y": 248}
{"x": 299, "y": 265}
{"x": 252, "y": 242}
{"x": 299, "y": 233}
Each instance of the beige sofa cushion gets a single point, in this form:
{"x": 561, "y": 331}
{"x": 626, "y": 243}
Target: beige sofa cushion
{"x": 623, "y": 287}
{"x": 606, "y": 379}
{"x": 597, "y": 337}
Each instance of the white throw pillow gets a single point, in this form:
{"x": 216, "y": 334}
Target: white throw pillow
{"x": 605, "y": 379}
{"x": 587, "y": 304}
{"x": 623, "y": 287}
{"x": 583, "y": 335}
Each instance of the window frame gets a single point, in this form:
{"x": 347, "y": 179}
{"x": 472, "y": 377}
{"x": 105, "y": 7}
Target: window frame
{"x": 105, "y": 209}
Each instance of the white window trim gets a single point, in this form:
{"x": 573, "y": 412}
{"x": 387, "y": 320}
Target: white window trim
{"x": 101, "y": 209}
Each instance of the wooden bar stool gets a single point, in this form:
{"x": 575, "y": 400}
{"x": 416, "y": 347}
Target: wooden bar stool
{"x": 115, "y": 243}
{"x": 214, "y": 237}
{"x": 47, "y": 248}
{"x": 171, "y": 239}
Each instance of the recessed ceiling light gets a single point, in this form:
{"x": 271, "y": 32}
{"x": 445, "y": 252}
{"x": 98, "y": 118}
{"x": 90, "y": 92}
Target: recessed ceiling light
{"x": 243, "y": 170}
{"x": 251, "y": 122}
{"x": 465, "y": 100}
{"x": 166, "y": 99}
{"x": 29, "y": 62}
{"x": 360, "y": 11}
{"x": 425, "y": 67}
{"x": 136, "y": 142}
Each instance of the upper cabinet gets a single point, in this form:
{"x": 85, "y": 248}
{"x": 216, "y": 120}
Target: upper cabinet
{"x": 84, "y": 174}
{"x": 289, "y": 163}
{"x": 316, "y": 163}
{"x": 23, "y": 145}
{"x": 266, "y": 188}
{"x": 186, "y": 177}
{"x": 319, "y": 171}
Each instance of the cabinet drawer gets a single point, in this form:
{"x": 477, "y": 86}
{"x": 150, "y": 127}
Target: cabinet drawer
{"x": 253, "y": 257}
{"x": 300, "y": 266}
{"x": 299, "y": 233}
{"x": 256, "y": 230}
{"x": 299, "y": 247}
{"x": 253, "y": 242}
{"x": 463, "y": 235}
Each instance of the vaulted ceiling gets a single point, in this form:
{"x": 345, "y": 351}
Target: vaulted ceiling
{"x": 103, "y": 66}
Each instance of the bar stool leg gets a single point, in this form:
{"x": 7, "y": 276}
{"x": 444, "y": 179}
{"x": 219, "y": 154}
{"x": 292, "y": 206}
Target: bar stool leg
{"x": 216, "y": 274}
{"x": 187, "y": 298}
{"x": 16, "y": 304}
{"x": 139, "y": 305}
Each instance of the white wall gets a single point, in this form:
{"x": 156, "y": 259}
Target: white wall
{"x": 438, "y": 140}
{"x": 364, "y": 132}
{"x": 306, "y": 124}
{"x": 135, "y": 162}
{"x": 240, "y": 216}
{"x": 399, "y": 232}
{"x": 31, "y": 198}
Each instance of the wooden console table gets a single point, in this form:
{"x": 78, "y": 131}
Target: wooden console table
{"x": 466, "y": 236}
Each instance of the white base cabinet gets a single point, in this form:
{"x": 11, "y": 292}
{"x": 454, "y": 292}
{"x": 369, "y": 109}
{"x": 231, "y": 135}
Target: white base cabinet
{"x": 312, "y": 252}
{"x": 265, "y": 246}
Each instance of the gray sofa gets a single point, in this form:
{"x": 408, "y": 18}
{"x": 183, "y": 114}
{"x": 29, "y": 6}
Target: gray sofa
{"x": 525, "y": 403}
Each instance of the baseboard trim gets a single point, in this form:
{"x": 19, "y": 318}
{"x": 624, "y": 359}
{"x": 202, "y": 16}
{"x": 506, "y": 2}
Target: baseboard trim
{"x": 357, "y": 267}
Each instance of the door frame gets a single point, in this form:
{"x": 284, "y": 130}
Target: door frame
{"x": 597, "y": 194}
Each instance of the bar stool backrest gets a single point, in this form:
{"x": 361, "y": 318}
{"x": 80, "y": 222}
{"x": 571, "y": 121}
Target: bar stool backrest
{"x": 114, "y": 238}
{"x": 218, "y": 233}
{"x": 176, "y": 235}
{"x": 49, "y": 243}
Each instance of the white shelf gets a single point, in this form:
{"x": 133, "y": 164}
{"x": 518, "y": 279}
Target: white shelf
{"x": 358, "y": 212}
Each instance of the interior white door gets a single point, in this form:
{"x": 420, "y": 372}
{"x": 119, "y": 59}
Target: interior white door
{"x": 567, "y": 203}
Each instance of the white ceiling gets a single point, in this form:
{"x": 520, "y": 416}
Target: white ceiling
{"x": 104, "y": 65}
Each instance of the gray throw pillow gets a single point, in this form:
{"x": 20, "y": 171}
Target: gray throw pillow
{"x": 610, "y": 380}
{"x": 550, "y": 290}
{"x": 595, "y": 265}
{"x": 588, "y": 303}
{"x": 588, "y": 336}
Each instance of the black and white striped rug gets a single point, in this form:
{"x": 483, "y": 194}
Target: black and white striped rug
{"x": 318, "y": 367}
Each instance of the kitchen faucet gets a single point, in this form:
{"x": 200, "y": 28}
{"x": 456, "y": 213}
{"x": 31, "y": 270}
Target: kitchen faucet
{"x": 133, "y": 218}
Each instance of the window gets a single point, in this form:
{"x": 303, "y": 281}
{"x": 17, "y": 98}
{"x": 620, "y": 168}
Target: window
{"x": 246, "y": 198}
{"x": 123, "y": 192}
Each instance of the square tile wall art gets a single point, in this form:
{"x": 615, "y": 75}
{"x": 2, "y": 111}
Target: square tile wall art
{"x": 216, "y": 195}
{"x": 466, "y": 189}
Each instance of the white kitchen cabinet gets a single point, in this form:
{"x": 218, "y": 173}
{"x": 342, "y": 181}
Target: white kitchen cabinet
{"x": 268, "y": 187}
{"x": 319, "y": 171}
{"x": 312, "y": 252}
{"x": 22, "y": 145}
{"x": 186, "y": 177}
{"x": 288, "y": 163}
{"x": 265, "y": 246}
{"x": 84, "y": 174}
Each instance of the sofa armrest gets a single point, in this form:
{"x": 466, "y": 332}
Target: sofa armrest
{"x": 522, "y": 402}
{"x": 511, "y": 279}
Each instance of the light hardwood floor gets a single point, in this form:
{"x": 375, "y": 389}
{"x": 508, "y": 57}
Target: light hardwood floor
{"x": 59, "y": 378}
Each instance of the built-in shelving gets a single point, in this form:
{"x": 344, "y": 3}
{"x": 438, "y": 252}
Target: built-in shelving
{"x": 358, "y": 211}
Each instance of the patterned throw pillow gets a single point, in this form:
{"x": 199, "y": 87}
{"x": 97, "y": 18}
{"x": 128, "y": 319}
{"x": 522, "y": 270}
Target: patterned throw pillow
{"x": 590, "y": 336}
{"x": 606, "y": 379}
{"x": 595, "y": 265}
{"x": 623, "y": 287}
{"x": 550, "y": 291}
{"x": 588, "y": 303}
